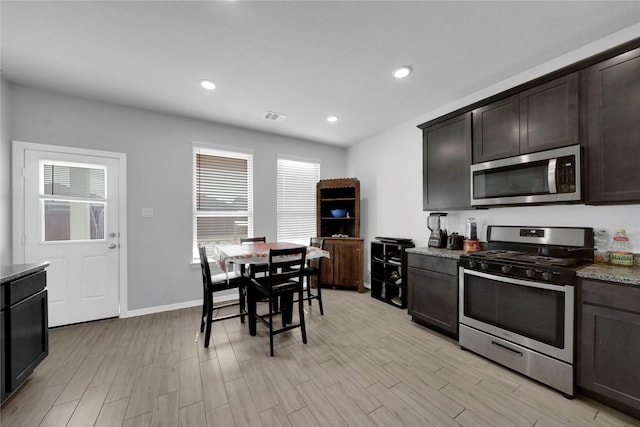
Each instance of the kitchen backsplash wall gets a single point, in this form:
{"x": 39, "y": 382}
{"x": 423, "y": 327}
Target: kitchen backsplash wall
{"x": 609, "y": 218}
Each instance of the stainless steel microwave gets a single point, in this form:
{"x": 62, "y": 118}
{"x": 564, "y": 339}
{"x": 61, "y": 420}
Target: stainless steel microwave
{"x": 541, "y": 177}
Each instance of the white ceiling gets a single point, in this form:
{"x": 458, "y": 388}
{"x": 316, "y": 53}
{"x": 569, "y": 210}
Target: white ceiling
{"x": 305, "y": 59}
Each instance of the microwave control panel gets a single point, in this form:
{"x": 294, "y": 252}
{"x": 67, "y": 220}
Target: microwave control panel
{"x": 566, "y": 174}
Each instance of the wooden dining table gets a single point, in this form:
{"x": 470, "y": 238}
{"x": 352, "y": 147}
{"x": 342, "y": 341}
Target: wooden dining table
{"x": 239, "y": 256}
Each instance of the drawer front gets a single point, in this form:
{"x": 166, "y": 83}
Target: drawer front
{"x": 433, "y": 263}
{"x": 622, "y": 297}
{"x": 27, "y": 286}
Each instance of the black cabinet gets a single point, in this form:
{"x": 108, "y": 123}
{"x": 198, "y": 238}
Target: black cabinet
{"x": 4, "y": 391}
{"x": 540, "y": 118}
{"x": 612, "y": 91}
{"x": 446, "y": 154}
{"x": 609, "y": 343}
{"x": 389, "y": 271}
{"x": 25, "y": 339}
{"x": 29, "y": 336}
{"x": 432, "y": 283}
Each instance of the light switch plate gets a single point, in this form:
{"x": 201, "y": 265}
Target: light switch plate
{"x": 147, "y": 212}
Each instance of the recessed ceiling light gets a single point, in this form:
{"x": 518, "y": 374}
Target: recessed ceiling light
{"x": 402, "y": 72}
{"x": 208, "y": 84}
{"x": 332, "y": 119}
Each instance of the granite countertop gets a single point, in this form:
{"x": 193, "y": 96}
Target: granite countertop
{"x": 437, "y": 252}
{"x": 611, "y": 273}
{"x": 13, "y": 271}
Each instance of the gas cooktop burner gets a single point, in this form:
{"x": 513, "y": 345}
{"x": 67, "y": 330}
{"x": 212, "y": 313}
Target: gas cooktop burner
{"x": 525, "y": 257}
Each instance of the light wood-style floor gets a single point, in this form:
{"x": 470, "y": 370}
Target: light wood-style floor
{"x": 365, "y": 363}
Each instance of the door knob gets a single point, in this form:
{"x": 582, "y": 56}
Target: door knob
{"x": 113, "y": 246}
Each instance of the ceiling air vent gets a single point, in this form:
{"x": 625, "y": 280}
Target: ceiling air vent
{"x": 275, "y": 117}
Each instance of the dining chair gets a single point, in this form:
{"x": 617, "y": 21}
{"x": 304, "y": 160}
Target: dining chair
{"x": 260, "y": 239}
{"x": 284, "y": 279}
{"x": 312, "y": 269}
{"x": 257, "y": 269}
{"x": 217, "y": 283}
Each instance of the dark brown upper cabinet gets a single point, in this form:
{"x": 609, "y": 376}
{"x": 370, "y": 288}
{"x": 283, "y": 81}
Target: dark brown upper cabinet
{"x": 446, "y": 153}
{"x": 612, "y": 92}
{"x": 540, "y": 118}
{"x": 496, "y": 130}
{"x": 549, "y": 115}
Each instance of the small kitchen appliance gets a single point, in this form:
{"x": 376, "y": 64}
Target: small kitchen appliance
{"x": 454, "y": 241}
{"x": 517, "y": 300}
{"x": 437, "y": 224}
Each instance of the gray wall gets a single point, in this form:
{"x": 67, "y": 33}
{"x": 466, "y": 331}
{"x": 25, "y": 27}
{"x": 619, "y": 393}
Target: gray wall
{"x": 159, "y": 173}
{"x": 5, "y": 177}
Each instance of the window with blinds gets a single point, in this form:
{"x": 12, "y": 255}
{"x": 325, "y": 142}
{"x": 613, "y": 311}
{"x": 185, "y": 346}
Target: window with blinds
{"x": 73, "y": 199}
{"x": 297, "y": 200}
{"x": 223, "y": 197}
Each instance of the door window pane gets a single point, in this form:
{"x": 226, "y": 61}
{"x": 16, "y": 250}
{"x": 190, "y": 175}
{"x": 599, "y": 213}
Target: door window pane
{"x": 73, "y": 221}
{"x": 64, "y": 180}
{"x": 73, "y": 201}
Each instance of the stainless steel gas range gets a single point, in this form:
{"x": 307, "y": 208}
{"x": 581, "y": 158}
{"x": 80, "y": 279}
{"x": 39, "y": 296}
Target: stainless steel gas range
{"x": 517, "y": 300}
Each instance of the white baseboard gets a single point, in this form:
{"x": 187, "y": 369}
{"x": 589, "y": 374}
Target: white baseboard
{"x": 178, "y": 306}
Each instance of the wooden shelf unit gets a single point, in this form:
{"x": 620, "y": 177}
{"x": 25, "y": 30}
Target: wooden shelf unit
{"x": 342, "y": 235}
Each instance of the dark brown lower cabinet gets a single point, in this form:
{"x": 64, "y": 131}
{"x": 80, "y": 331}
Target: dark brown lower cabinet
{"x": 432, "y": 284}
{"x": 345, "y": 268}
{"x": 609, "y": 344}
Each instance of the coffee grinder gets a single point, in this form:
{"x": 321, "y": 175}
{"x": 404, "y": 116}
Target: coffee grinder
{"x": 438, "y": 226}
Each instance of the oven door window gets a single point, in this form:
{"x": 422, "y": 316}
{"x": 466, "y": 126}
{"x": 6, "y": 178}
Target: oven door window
{"x": 531, "y": 312}
{"x": 518, "y": 180}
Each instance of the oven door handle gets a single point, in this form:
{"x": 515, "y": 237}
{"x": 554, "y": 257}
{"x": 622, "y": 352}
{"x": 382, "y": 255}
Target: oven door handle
{"x": 505, "y": 348}
{"x": 514, "y": 281}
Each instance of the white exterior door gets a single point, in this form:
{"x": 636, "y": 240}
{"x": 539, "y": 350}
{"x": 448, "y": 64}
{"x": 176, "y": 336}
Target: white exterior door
{"x": 71, "y": 220}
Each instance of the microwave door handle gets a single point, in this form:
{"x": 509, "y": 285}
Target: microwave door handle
{"x": 551, "y": 176}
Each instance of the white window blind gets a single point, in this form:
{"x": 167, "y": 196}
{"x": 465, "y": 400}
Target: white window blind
{"x": 223, "y": 197}
{"x": 297, "y": 200}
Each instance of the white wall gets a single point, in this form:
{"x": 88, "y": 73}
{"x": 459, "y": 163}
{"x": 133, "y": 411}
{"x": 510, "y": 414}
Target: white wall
{"x": 159, "y": 171}
{"x": 389, "y": 166}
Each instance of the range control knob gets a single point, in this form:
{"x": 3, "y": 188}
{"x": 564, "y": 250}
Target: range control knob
{"x": 506, "y": 269}
{"x": 547, "y": 275}
{"x": 472, "y": 264}
{"x": 530, "y": 273}
{"x": 484, "y": 266}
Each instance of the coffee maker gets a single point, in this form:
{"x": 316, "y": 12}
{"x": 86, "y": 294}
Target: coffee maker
{"x": 437, "y": 224}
